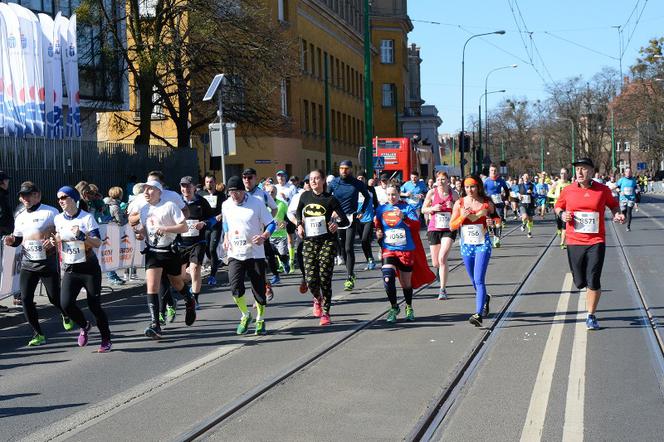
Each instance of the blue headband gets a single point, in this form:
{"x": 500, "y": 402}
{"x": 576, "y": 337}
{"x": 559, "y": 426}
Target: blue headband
{"x": 70, "y": 192}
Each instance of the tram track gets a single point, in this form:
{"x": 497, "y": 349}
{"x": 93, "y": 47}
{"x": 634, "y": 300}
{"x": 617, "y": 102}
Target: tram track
{"x": 207, "y": 426}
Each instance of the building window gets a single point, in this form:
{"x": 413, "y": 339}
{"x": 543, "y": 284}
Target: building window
{"x": 312, "y": 54}
{"x": 626, "y": 146}
{"x": 320, "y": 62}
{"x": 314, "y": 119}
{"x": 157, "y": 108}
{"x": 334, "y": 125}
{"x": 303, "y": 57}
{"x": 282, "y": 7}
{"x": 306, "y": 116}
{"x": 387, "y": 95}
{"x": 284, "y": 97}
{"x": 387, "y": 51}
{"x": 342, "y": 83}
{"x": 332, "y": 70}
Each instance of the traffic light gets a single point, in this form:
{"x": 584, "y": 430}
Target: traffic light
{"x": 465, "y": 143}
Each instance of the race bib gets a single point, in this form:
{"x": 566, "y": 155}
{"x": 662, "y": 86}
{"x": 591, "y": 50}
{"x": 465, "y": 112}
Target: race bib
{"x": 240, "y": 244}
{"x": 525, "y": 199}
{"x": 542, "y": 192}
{"x": 441, "y": 221}
{"x": 496, "y": 198}
{"x": 212, "y": 200}
{"x": 514, "y": 194}
{"x": 628, "y": 203}
{"x": 472, "y": 234}
{"x": 628, "y": 191}
{"x": 396, "y": 237}
{"x": 34, "y": 250}
{"x": 586, "y": 222}
{"x": 73, "y": 252}
{"x": 315, "y": 226}
{"x": 192, "y": 230}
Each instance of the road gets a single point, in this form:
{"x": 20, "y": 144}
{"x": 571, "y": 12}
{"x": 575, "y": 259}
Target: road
{"x": 532, "y": 372}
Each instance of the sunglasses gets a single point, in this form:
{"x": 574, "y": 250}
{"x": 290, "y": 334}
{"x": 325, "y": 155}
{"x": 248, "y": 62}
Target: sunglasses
{"x": 63, "y": 197}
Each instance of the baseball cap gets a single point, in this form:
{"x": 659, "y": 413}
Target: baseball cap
{"x": 282, "y": 172}
{"x": 4, "y": 176}
{"x": 27, "y": 187}
{"x": 155, "y": 184}
{"x": 346, "y": 163}
{"x": 186, "y": 180}
{"x": 305, "y": 179}
{"x": 584, "y": 162}
{"x": 235, "y": 183}
{"x": 249, "y": 171}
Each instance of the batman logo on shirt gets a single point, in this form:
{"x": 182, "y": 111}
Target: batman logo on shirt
{"x": 314, "y": 210}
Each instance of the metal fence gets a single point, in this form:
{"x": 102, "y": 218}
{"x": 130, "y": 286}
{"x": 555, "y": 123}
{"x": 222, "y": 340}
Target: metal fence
{"x": 54, "y": 163}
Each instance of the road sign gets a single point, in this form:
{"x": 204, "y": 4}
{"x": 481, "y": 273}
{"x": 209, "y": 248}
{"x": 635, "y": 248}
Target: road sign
{"x": 641, "y": 166}
{"x": 378, "y": 163}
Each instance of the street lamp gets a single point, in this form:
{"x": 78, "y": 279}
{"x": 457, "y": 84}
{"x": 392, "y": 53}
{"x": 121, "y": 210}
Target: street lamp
{"x": 463, "y": 61}
{"x": 573, "y": 137}
{"x": 480, "y": 126}
{"x": 486, "y": 108}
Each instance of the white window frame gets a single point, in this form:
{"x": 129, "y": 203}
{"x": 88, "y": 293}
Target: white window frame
{"x": 626, "y": 146}
{"x": 284, "y": 98}
{"x": 387, "y": 95}
{"x": 387, "y": 51}
{"x": 281, "y": 10}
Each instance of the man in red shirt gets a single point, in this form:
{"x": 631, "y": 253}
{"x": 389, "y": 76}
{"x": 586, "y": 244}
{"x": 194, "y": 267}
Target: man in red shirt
{"x": 581, "y": 207}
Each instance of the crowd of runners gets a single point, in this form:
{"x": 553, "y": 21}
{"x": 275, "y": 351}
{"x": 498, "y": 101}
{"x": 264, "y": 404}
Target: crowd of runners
{"x": 260, "y": 228}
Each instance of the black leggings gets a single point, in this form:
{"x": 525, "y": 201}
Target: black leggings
{"x": 319, "y": 267}
{"x": 300, "y": 258}
{"x": 255, "y": 269}
{"x": 72, "y": 283}
{"x": 627, "y": 211}
{"x": 165, "y": 294}
{"x": 346, "y": 237}
{"x": 365, "y": 230}
{"x": 28, "y": 283}
{"x": 213, "y": 237}
{"x": 271, "y": 258}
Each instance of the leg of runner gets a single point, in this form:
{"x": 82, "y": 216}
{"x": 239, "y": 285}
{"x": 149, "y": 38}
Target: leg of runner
{"x": 51, "y": 283}
{"x": 347, "y": 237}
{"x": 310, "y": 249}
{"x": 256, "y": 273}
{"x": 477, "y": 264}
{"x": 214, "y": 236}
{"x": 236, "y": 273}
{"x": 434, "y": 248}
{"x": 92, "y": 284}
{"x": 406, "y": 286}
{"x": 300, "y": 263}
{"x": 28, "y": 283}
{"x": 72, "y": 283}
{"x": 166, "y": 301}
{"x": 627, "y": 211}
{"x": 272, "y": 262}
{"x": 189, "y": 301}
{"x": 389, "y": 281}
{"x": 153, "y": 283}
{"x": 443, "y": 268}
{"x": 366, "y": 234}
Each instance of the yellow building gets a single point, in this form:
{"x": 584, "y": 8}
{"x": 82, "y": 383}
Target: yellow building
{"x": 390, "y": 26}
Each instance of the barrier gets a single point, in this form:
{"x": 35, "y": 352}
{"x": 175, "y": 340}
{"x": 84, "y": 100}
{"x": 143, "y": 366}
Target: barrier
{"x": 119, "y": 250}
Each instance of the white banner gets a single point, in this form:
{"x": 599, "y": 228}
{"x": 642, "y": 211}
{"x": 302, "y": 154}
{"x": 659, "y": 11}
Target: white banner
{"x": 48, "y": 70}
{"x": 73, "y": 126}
{"x": 59, "y": 23}
{"x": 15, "y": 89}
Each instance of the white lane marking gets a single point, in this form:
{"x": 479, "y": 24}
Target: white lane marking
{"x": 539, "y": 400}
{"x": 576, "y": 386}
{"x": 651, "y": 218}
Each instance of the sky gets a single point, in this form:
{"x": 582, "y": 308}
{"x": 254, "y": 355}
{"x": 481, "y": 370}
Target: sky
{"x": 559, "y": 39}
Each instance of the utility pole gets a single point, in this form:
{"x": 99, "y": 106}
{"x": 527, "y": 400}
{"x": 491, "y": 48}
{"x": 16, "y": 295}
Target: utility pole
{"x": 613, "y": 145}
{"x": 368, "y": 105}
{"x": 328, "y": 141}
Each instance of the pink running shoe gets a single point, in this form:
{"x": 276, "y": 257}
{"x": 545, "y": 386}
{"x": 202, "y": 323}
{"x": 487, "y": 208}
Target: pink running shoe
{"x": 83, "y": 335}
{"x": 105, "y": 347}
{"x": 318, "y": 310}
{"x": 325, "y": 319}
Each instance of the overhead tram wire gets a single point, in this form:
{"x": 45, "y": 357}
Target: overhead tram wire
{"x": 645, "y": 3}
{"x": 580, "y": 45}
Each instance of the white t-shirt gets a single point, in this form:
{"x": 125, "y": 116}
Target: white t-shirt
{"x": 243, "y": 222}
{"x": 292, "y": 206}
{"x": 73, "y": 250}
{"x": 33, "y": 227}
{"x": 286, "y": 191}
{"x": 166, "y": 195}
{"x": 164, "y": 213}
{"x": 381, "y": 194}
{"x": 263, "y": 197}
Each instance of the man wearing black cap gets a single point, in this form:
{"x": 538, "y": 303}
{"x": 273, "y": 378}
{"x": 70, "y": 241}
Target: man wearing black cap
{"x": 247, "y": 226}
{"x": 381, "y": 189}
{"x": 346, "y": 188}
{"x": 213, "y": 234}
{"x": 581, "y": 207}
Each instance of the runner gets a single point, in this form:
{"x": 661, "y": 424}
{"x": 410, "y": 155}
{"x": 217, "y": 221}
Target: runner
{"x": 77, "y": 233}
{"x": 527, "y": 194}
{"x": 292, "y": 208}
{"x": 214, "y": 233}
{"x": 191, "y": 244}
{"x": 438, "y": 204}
{"x": 247, "y": 226}
{"x": 581, "y": 206}
{"x": 346, "y": 189}
{"x": 160, "y": 223}
{"x": 514, "y": 198}
{"x": 555, "y": 191}
{"x": 393, "y": 225}
{"x": 414, "y": 191}
{"x": 542, "y": 189}
{"x": 496, "y": 189}
{"x": 278, "y": 240}
{"x": 365, "y": 224}
{"x": 381, "y": 189}
{"x": 472, "y": 214}
{"x": 628, "y": 190}
{"x": 34, "y": 229}
{"x": 285, "y": 191}
{"x": 317, "y": 227}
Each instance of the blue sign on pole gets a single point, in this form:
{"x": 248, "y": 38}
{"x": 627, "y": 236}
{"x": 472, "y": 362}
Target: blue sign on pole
{"x": 641, "y": 166}
{"x": 379, "y": 163}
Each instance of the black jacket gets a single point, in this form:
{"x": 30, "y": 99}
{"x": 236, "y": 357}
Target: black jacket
{"x": 6, "y": 214}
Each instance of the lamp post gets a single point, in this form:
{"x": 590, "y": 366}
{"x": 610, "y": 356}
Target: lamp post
{"x": 463, "y": 61}
{"x": 486, "y": 108}
{"x": 481, "y": 157}
{"x": 368, "y": 105}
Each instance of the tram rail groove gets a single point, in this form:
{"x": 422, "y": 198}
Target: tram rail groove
{"x": 203, "y": 427}
{"x": 440, "y": 406}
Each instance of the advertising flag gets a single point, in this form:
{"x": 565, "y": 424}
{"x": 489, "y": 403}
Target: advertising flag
{"x": 73, "y": 125}
{"x": 48, "y": 66}
{"x": 59, "y": 24}
{"x": 15, "y": 90}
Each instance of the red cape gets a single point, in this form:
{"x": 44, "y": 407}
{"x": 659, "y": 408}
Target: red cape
{"x": 422, "y": 275}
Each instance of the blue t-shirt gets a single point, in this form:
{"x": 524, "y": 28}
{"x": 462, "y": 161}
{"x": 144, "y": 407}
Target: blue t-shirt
{"x": 369, "y": 212}
{"x": 542, "y": 189}
{"x": 396, "y": 234}
{"x": 495, "y": 187}
{"x": 414, "y": 189}
{"x": 346, "y": 190}
{"x": 627, "y": 188}
{"x": 515, "y": 189}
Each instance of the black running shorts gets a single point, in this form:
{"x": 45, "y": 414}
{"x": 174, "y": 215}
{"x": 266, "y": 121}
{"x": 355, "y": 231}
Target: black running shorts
{"x": 434, "y": 236}
{"x": 168, "y": 261}
{"x": 586, "y": 264}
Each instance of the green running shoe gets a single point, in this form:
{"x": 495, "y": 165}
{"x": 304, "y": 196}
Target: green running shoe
{"x": 37, "y": 340}
{"x": 170, "y": 313}
{"x": 244, "y": 324}
{"x": 162, "y": 321}
{"x": 410, "y": 314}
{"x": 67, "y": 323}
{"x": 260, "y": 328}
{"x": 392, "y": 314}
{"x": 349, "y": 284}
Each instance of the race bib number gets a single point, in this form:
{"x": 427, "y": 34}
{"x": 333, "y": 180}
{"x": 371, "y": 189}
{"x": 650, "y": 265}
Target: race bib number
{"x": 441, "y": 221}
{"x": 34, "y": 250}
{"x": 542, "y": 192}
{"x": 240, "y": 244}
{"x": 472, "y": 234}
{"x": 496, "y": 198}
{"x": 396, "y": 237}
{"x": 525, "y": 199}
{"x": 212, "y": 200}
{"x": 628, "y": 191}
{"x": 315, "y": 226}
{"x": 514, "y": 194}
{"x": 192, "y": 230}
{"x": 586, "y": 222}
{"x": 73, "y": 252}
